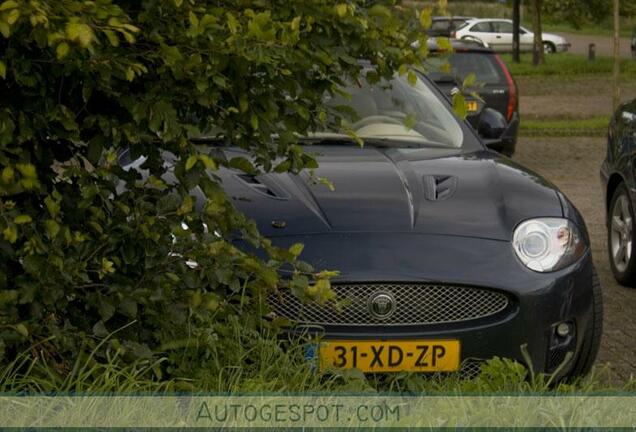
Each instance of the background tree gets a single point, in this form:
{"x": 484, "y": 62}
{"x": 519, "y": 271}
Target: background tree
{"x": 538, "y": 57}
{"x": 87, "y": 248}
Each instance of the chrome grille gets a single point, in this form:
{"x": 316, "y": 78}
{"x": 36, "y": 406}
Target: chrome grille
{"x": 414, "y": 304}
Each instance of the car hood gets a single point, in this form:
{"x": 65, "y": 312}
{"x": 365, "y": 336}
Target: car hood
{"x": 479, "y": 194}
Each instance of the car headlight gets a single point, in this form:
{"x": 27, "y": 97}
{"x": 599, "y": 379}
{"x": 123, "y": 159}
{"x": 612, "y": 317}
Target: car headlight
{"x": 548, "y": 244}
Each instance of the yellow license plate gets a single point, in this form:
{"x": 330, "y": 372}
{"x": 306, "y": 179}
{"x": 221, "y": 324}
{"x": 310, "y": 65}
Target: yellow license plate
{"x": 391, "y": 356}
{"x": 472, "y": 106}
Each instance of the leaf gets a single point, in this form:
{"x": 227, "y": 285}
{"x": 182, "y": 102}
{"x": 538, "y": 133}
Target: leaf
{"x": 410, "y": 121}
{"x": 232, "y": 23}
{"x": 10, "y": 234}
{"x": 444, "y": 44}
{"x": 106, "y": 310}
{"x": 186, "y": 205}
{"x": 412, "y": 77}
{"x": 22, "y": 219}
{"x": 190, "y": 162}
{"x": 194, "y": 21}
{"x": 130, "y": 74}
{"x": 283, "y": 166}
{"x": 5, "y": 29}
{"x": 21, "y": 328}
{"x": 7, "y": 174}
{"x": 341, "y": 9}
{"x": 208, "y": 162}
{"x": 459, "y": 105}
{"x": 52, "y": 228}
{"x": 62, "y": 50}
{"x": 52, "y": 206}
{"x": 3, "y": 70}
{"x": 242, "y": 164}
{"x": 243, "y": 104}
{"x": 469, "y": 81}
{"x": 128, "y": 307}
{"x": 12, "y": 16}
{"x": 295, "y": 24}
{"x": 9, "y": 4}
{"x": 426, "y": 20}
{"x": 99, "y": 329}
{"x": 112, "y": 37}
{"x": 80, "y": 32}
{"x": 296, "y": 249}
{"x": 173, "y": 277}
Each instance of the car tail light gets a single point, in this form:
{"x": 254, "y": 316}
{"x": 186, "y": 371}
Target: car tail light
{"x": 512, "y": 89}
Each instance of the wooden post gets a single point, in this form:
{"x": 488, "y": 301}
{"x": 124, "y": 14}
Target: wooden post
{"x": 616, "y": 96}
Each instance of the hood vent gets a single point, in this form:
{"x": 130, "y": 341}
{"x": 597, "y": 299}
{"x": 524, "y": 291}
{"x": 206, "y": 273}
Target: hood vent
{"x": 439, "y": 187}
{"x": 271, "y": 189}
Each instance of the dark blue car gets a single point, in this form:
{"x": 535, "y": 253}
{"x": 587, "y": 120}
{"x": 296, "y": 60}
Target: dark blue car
{"x": 448, "y": 252}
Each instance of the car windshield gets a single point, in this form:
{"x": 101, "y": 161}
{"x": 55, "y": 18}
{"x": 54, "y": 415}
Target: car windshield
{"x": 393, "y": 112}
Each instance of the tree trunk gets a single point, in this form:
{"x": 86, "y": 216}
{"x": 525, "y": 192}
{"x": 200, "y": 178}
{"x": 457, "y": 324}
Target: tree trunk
{"x": 537, "y": 47}
{"x": 616, "y": 94}
{"x": 516, "y": 18}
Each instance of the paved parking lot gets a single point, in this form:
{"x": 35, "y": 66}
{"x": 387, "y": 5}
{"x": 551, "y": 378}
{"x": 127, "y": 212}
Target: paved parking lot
{"x": 573, "y": 165}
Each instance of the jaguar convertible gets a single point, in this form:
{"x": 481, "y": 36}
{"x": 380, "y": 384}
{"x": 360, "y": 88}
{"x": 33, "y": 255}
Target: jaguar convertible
{"x": 449, "y": 253}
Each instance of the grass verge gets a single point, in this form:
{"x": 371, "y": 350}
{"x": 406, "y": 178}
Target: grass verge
{"x": 566, "y": 64}
{"x": 595, "y": 126}
{"x": 603, "y": 29}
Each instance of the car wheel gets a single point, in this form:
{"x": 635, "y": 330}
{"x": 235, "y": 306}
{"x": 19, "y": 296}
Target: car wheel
{"x": 592, "y": 335}
{"x": 549, "y": 48}
{"x": 620, "y": 237}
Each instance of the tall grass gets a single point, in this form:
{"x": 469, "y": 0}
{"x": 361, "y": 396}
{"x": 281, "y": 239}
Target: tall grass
{"x": 274, "y": 367}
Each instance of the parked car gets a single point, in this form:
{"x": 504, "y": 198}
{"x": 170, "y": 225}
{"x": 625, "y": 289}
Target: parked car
{"x": 448, "y": 252}
{"x": 497, "y": 34}
{"x": 443, "y": 26}
{"x": 495, "y": 86}
{"x": 619, "y": 183}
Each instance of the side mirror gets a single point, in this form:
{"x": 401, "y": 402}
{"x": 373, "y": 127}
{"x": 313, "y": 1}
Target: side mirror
{"x": 491, "y": 127}
{"x": 492, "y": 124}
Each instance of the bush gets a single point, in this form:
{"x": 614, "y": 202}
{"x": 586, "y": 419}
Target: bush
{"x": 90, "y": 250}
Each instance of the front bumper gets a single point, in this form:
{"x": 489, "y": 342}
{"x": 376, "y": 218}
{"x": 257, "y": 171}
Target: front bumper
{"x": 539, "y": 301}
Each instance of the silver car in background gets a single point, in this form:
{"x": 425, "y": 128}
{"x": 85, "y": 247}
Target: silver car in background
{"x": 497, "y": 34}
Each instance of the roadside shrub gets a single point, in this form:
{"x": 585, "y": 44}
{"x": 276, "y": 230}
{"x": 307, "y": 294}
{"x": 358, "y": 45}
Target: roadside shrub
{"x": 88, "y": 249}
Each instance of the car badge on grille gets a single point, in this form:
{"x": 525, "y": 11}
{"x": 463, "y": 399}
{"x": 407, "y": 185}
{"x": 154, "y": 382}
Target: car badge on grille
{"x": 381, "y": 305}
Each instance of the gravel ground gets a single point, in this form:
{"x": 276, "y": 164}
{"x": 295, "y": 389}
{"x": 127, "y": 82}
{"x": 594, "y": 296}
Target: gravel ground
{"x": 582, "y": 97}
{"x": 573, "y": 165}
